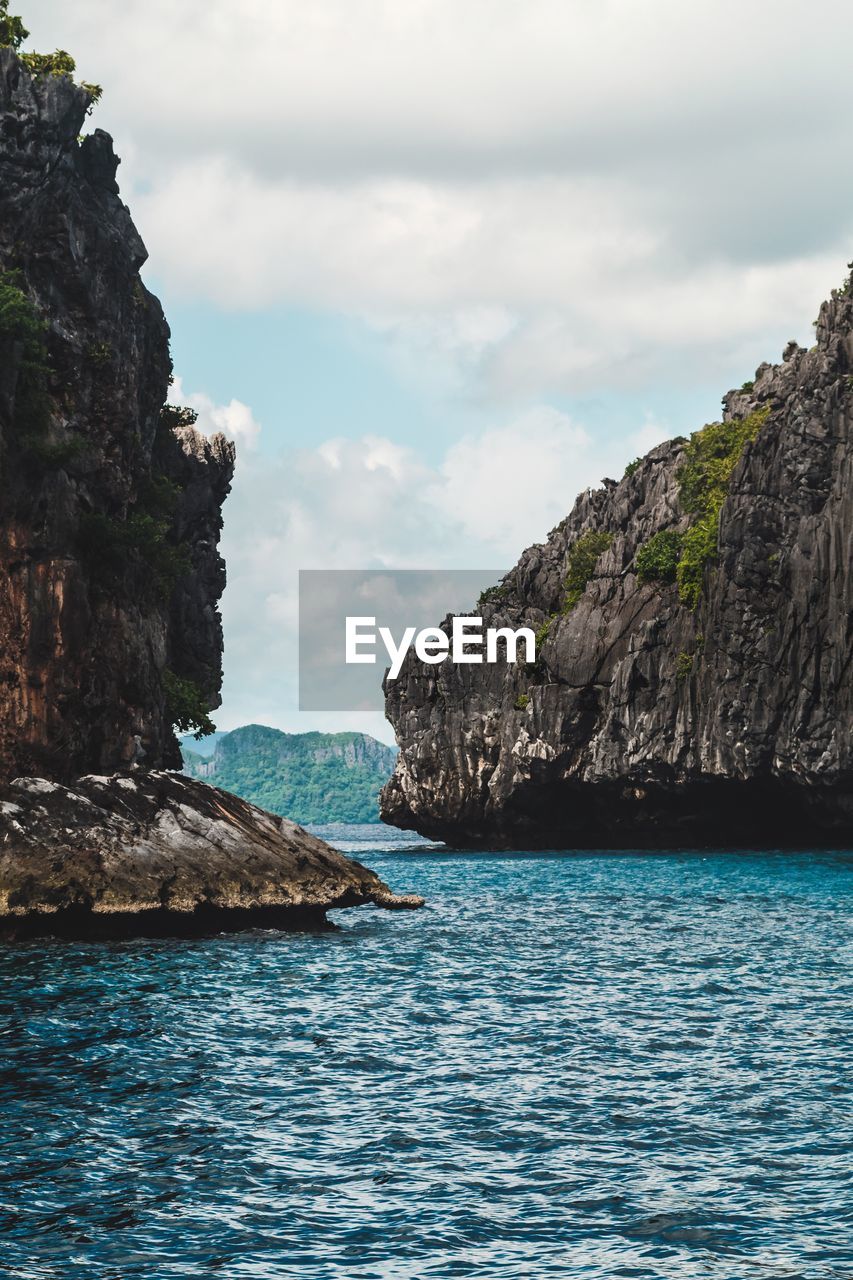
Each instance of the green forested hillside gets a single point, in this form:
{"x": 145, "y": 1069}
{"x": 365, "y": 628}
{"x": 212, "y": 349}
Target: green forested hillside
{"x": 309, "y": 777}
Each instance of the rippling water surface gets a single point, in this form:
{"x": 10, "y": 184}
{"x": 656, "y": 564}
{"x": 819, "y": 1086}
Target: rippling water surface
{"x": 568, "y": 1065}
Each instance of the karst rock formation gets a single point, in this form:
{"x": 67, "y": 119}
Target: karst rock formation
{"x": 694, "y": 683}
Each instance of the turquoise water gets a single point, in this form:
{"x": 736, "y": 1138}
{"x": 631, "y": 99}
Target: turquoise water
{"x": 568, "y": 1065}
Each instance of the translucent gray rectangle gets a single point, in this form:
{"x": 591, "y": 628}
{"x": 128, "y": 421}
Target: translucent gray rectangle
{"x": 396, "y": 599}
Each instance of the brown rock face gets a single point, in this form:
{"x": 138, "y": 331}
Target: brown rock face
{"x": 109, "y": 515}
{"x": 648, "y": 722}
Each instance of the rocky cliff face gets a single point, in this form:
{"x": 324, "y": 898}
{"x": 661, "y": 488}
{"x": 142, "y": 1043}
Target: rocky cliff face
{"x": 110, "y": 515}
{"x": 704, "y": 702}
{"x": 109, "y": 508}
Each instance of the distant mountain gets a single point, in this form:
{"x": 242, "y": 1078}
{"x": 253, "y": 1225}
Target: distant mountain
{"x": 309, "y": 777}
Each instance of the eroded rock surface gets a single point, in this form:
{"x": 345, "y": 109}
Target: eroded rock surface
{"x": 160, "y": 853}
{"x": 110, "y": 577}
{"x": 109, "y": 510}
{"x": 648, "y": 722}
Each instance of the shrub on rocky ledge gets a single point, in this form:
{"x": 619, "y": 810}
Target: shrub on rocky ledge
{"x": 186, "y": 705}
{"x": 138, "y": 545}
{"x": 582, "y": 558}
{"x": 22, "y": 334}
{"x": 493, "y": 595}
{"x": 683, "y": 666}
{"x": 174, "y": 416}
{"x": 13, "y": 33}
{"x": 710, "y": 458}
{"x": 657, "y": 560}
{"x": 703, "y": 479}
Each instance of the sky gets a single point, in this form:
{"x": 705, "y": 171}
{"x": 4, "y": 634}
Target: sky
{"x": 439, "y": 266}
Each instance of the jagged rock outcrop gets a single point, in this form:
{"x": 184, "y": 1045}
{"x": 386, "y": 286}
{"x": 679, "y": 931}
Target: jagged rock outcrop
{"x": 109, "y": 509}
{"x": 648, "y": 721}
{"x": 158, "y": 853}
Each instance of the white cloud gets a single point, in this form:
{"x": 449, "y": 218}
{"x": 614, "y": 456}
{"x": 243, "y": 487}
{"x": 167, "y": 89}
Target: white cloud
{"x": 432, "y": 86}
{"x": 234, "y": 420}
{"x": 508, "y": 486}
{"x": 370, "y": 503}
{"x": 535, "y": 197}
{"x": 518, "y": 287}
{"x": 651, "y": 433}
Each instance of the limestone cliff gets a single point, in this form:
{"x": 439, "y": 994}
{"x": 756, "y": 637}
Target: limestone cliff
{"x": 109, "y": 505}
{"x": 110, "y": 515}
{"x": 695, "y": 678}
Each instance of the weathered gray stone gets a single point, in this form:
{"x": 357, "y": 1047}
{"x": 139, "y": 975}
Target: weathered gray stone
{"x": 613, "y": 748}
{"x": 144, "y": 852}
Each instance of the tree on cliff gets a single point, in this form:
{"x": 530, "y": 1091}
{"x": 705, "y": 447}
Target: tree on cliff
{"x": 13, "y": 33}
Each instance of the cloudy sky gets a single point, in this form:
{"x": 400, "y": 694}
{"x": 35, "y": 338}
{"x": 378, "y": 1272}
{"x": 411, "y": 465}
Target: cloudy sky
{"x": 439, "y": 265}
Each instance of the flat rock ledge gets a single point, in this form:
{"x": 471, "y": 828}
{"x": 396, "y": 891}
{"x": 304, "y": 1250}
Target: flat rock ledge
{"x": 160, "y": 854}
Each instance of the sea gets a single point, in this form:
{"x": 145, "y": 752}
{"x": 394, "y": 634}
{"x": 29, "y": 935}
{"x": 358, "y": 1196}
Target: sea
{"x": 568, "y": 1064}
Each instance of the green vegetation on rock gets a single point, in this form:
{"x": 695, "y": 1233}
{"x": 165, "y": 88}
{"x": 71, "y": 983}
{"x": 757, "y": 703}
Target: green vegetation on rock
{"x": 99, "y": 354}
{"x": 703, "y": 482}
{"x": 22, "y": 334}
{"x": 683, "y": 665}
{"x": 13, "y": 33}
{"x": 308, "y": 777}
{"x": 543, "y": 631}
{"x": 703, "y": 479}
{"x": 657, "y": 560}
{"x": 58, "y": 63}
{"x": 173, "y": 416}
{"x": 583, "y": 556}
{"x": 112, "y": 546}
{"x": 141, "y": 541}
{"x": 710, "y": 458}
{"x": 186, "y": 706}
{"x": 53, "y": 455}
{"x": 493, "y": 595}
{"x": 699, "y": 550}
